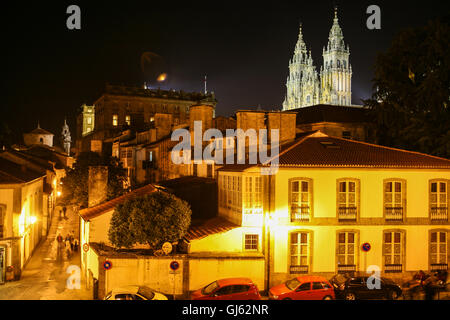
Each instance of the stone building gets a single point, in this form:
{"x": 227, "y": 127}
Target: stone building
{"x": 305, "y": 87}
{"x": 38, "y": 136}
{"x": 121, "y": 107}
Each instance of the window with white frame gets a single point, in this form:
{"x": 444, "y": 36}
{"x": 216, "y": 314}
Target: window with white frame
{"x": 251, "y": 242}
{"x": 394, "y": 196}
{"x": 393, "y": 250}
{"x": 128, "y": 120}
{"x": 115, "y": 120}
{"x": 300, "y": 200}
{"x": 438, "y": 250}
{"x": 299, "y": 252}
{"x": 438, "y": 200}
{"x": 253, "y": 194}
{"x": 347, "y": 200}
{"x": 230, "y": 194}
{"x": 346, "y": 250}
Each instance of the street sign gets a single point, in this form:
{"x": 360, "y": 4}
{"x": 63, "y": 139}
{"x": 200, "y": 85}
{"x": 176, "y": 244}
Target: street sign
{"x": 86, "y": 247}
{"x": 107, "y": 265}
{"x": 366, "y": 247}
{"x": 167, "y": 247}
{"x": 174, "y": 265}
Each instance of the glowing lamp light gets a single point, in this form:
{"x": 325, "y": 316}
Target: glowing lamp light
{"x": 162, "y": 77}
{"x": 58, "y": 193}
{"x": 33, "y": 219}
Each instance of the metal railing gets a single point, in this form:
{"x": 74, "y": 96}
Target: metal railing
{"x": 299, "y": 214}
{"x": 393, "y": 213}
{"x": 298, "y": 269}
{"x": 438, "y": 266}
{"x": 347, "y": 213}
{"x": 346, "y": 268}
{"x": 393, "y": 268}
{"x": 439, "y": 213}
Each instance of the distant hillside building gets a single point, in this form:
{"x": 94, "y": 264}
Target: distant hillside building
{"x": 121, "y": 107}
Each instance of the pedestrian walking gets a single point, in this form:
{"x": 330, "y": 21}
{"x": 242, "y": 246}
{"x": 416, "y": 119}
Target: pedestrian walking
{"x": 75, "y": 245}
{"x": 68, "y": 250}
{"x": 64, "y": 210}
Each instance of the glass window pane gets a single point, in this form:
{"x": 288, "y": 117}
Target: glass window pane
{"x": 351, "y": 237}
{"x": 304, "y": 186}
{"x": 387, "y": 259}
{"x": 443, "y": 198}
{"x": 397, "y": 236}
{"x": 341, "y": 259}
{"x": 397, "y": 259}
{"x": 304, "y": 261}
{"x": 342, "y": 187}
{"x": 304, "y": 238}
{"x": 351, "y": 249}
{"x": 294, "y": 238}
{"x": 342, "y": 198}
{"x": 342, "y": 237}
{"x": 398, "y": 187}
{"x": 434, "y": 187}
{"x": 442, "y": 187}
{"x": 433, "y": 248}
{"x": 305, "y": 197}
{"x": 351, "y": 259}
{"x": 341, "y": 249}
{"x": 387, "y": 248}
{"x": 351, "y": 187}
{"x": 434, "y": 237}
{"x": 388, "y": 237}
{"x": 442, "y": 258}
{"x": 303, "y": 250}
{"x": 295, "y": 186}
{"x": 442, "y": 237}
{"x": 388, "y": 187}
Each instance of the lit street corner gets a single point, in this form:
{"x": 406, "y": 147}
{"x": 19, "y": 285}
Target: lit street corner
{"x": 44, "y": 277}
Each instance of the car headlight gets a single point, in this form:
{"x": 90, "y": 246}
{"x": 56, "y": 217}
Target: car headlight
{"x": 275, "y": 297}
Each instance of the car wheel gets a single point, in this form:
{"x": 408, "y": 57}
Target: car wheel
{"x": 327, "y": 298}
{"x": 287, "y": 299}
{"x": 393, "y": 295}
{"x": 350, "y": 296}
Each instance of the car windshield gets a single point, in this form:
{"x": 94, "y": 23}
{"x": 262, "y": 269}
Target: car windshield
{"x": 146, "y": 292}
{"x": 292, "y": 284}
{"x": 210, "y": 288}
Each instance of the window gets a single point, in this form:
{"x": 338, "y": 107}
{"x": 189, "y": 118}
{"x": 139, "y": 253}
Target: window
{"x": 438, "y": 250}
{"x": 299, "y": 252}
{"x": 89, "y": 120}
{"x": 209, "y": 170}
{"x": 346, "y": 134}
{"x": 438, "y": 201}
{"x": 304, "y": 286}
{"x": 394, "y": 197}
{"x": 346, "y": 249}
{"x": 253, "y": 195}
{"x": 317, "y": 286}
{"x": 2, "y": 221}
{"x": 347, "y": 200}
{"x": 251, "y": 242}
{"x": 300, "y": 199}
{"x": 240, "y": 288}
{"x": 115, "y": 121}
{"x": 128, "y": 120}
{"x": 393, "y": 250}
{"x": 224, "y": 291}
{"x": 230, "y": 196}
{"x": 152, "y": 119}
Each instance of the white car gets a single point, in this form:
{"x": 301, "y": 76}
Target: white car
{"x": 134, "y": 293}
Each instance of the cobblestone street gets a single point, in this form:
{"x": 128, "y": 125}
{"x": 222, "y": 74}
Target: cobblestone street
{"x": 44, "y": 277}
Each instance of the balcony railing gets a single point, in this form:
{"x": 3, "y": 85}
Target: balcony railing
{"x": 347, "y": 213}
{"x": 439, "y": 214}
{"x": 298, "y": 269}
{"x": 346, "y": 268}
{"x": 393, "y": 268}
{"x": 439, "y": 266}
{"x": 393, "y": 213}
{"x": 299, "y": 214}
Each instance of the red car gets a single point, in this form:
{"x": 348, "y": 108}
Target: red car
{"x": 228, "y": 289}
{"x": 303, "y": 288}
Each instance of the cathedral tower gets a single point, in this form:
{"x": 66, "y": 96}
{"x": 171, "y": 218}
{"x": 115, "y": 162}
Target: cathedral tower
{"x": 302, "y": 83}
{"x": 336, "y": 72}
{"x": 65, "y": 137}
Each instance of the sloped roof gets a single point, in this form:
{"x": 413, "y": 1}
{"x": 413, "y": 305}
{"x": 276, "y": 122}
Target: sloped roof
{"x": 93, "y": 212}
{"x": 11, "y": 172}
{"x": 209, "y": 227}
{"x": 330, "y": 113}
{"x": 320, "y": 150}
{"x": 41, "y": 131}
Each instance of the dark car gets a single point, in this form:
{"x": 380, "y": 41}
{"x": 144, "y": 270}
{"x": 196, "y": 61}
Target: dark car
{"x": 353, "y": 288}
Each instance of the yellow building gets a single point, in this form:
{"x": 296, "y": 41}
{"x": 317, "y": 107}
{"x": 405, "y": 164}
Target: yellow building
{"x": 332, "y": 195}
{"x": 21, "y": 216}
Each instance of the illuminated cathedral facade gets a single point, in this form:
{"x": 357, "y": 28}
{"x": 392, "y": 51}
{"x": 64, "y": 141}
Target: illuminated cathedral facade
{"x": 306, "y": 87}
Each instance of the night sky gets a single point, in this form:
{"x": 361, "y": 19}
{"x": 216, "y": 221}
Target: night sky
{"x": 243, "y": 47}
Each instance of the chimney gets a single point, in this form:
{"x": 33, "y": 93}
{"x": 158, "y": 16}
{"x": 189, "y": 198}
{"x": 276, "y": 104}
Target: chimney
{"x": 97, "y": 185}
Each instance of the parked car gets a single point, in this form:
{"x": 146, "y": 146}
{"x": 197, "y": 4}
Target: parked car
{"x": 303, "y": 288}
{"x": 353, "y": 288}
{"x": 134, "y": 293}
{"x": 228, "y": 289}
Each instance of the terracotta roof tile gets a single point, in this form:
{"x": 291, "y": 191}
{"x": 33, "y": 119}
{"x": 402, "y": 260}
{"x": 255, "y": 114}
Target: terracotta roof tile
{"x": 93, "y": 212}
{"x": 209, "y": 227}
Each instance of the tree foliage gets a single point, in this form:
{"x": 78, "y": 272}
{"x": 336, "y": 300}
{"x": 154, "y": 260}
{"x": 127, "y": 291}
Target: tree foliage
{"x": 152, "y": 219}
{"x": 75, "y": 184}
{"x": 410, "y": 106}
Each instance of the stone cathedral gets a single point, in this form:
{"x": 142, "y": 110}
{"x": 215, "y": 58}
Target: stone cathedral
{"x": 334, "y": 87}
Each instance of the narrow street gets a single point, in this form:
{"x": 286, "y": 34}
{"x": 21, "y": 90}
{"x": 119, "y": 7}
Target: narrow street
{"x": 44, "y": 277}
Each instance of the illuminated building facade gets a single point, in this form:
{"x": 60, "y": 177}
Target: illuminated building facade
{"x": 305, "y": 87}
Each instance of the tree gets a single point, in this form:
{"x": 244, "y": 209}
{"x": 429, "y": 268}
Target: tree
{"x": 151, "y": 219}
{"x": 411, "y": 104}
{"x": 75, "y": 190}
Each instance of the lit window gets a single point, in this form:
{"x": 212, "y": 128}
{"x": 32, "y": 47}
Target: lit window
{"x": 251, "y": 242}
{"x": 128, "y": 120}
{"x": 300, "y": 200}
{"x": 300, "y": 252}
{"x": 253, "y": 195}
{"x": 152, "y": 119}
{"x": 438, "y": 250}
{"x": 394, "y": 197}
{"x": 392, "y": 251}
{"x": 115, "y": 121}
{"x": 346, "y": 249}
{"x": 347, "y": 200}
{"x": 89, "y": 120}
{"x": 438, "y": 201}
